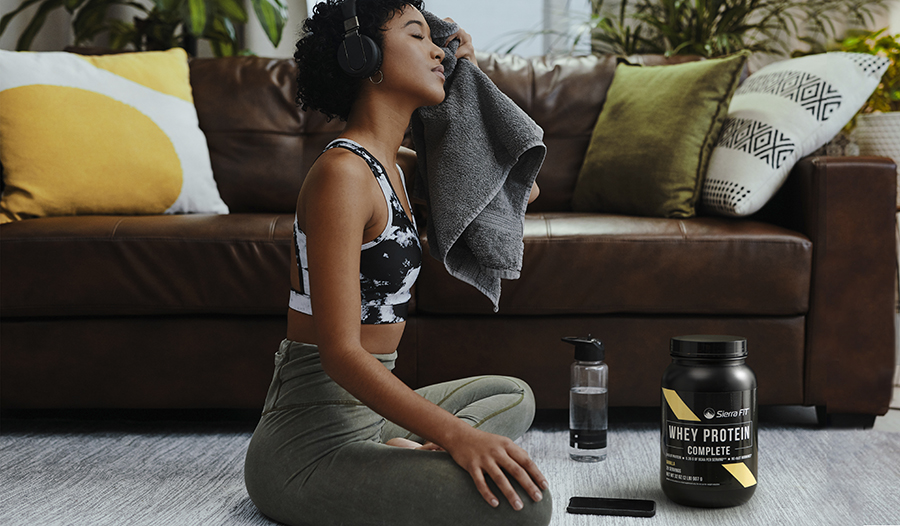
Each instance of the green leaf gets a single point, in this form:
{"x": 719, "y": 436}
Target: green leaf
{"x": 272, "y": 16}
{"x": 731, "y": 16}
{"x": 232, "y": 10}
{"x": 91, "y": 20}
{"x": 197, "y": 17}
{"x": 222, "y": 37}
{"x": 680, "y": 48}
{"x": 167, "y": 6}
{"x": 72, "y": 5}
{"x": 121, "y": 34}
{"x": 27, "y": 36}
{"x": 221, "y": 30}
{"x": 9, "y": 16}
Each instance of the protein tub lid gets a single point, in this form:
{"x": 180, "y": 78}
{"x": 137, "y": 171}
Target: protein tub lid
{"x": 708, "y": 346}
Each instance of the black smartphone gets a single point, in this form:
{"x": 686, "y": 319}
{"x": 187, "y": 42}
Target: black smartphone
{"x": 604, "y": 506}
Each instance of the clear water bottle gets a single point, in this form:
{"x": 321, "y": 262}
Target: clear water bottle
{"x": 588, "y": 400}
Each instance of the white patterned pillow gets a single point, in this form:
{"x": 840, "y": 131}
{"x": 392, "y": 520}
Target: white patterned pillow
{"x": 781, "y": 113}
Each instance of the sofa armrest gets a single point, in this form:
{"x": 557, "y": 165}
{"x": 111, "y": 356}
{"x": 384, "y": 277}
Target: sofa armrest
{"x": 847, "y": 207}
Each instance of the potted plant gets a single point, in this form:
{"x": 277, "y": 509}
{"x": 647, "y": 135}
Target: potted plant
{"x": 713, "y": 28}
{"x": 882, "y": 109}
{"x": 165, "y": 24}
{"x": 710, "y": 28}
{"x": 876, "y": 128}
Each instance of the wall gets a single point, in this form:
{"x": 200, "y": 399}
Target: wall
{"x": 494, "y": 24}
{"x": 491, "y": 24}
{"x": 55, "y": 35}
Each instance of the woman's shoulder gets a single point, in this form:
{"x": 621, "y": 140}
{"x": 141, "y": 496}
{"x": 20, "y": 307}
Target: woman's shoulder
{"x": 339, "y": 184}
{"x": 338, "y": 167}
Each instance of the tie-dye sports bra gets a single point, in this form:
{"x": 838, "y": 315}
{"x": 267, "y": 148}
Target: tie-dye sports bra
{"x": 388, "y": 265}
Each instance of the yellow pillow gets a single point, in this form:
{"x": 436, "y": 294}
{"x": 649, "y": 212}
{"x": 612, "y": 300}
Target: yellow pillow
{"x": 111, "y": 134}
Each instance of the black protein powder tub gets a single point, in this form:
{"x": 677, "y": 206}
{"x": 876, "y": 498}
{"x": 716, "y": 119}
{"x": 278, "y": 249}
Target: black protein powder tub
{"x": 709, "y": 423}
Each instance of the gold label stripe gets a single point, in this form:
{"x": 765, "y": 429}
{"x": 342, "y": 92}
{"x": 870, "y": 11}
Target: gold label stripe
{"x": 742, "y": 473}
{"x": 681, "y": 410}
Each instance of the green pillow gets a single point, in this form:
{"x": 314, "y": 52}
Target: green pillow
{"x": 651, "y": 145}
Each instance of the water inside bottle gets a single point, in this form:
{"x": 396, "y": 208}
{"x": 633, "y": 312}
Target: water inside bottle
{"x": 587, "y": 423}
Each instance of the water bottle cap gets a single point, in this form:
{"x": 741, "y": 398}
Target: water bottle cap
{"x": 708, "y": 346}
{"x": 587, "y": 349}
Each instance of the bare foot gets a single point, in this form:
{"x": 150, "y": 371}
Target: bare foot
{"x": 404, "y": 443}
{"x": 409, "y": 444}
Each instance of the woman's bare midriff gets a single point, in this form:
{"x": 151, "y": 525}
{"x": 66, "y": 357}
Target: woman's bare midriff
{"x": 377, "y": 339}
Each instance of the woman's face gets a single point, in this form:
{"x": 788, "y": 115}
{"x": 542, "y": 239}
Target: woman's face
{"x": 412, "y": 62}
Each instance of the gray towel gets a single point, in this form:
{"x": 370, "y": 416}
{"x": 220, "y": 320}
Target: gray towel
{"x": 478, "y": 155}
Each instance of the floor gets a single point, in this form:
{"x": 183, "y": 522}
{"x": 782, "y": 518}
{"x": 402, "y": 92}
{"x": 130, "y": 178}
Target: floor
{"x": 891, "y": 421}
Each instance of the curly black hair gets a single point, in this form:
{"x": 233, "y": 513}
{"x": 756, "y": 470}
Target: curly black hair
{"x": 321, "y": 83}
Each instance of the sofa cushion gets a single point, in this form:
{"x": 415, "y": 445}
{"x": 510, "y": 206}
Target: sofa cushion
{"x": 650, "y": 147}
{"x": 582, "y": 263}
{"x": 564, "y": 95}
{"x": 146, "y": 265}
{"x": 112, "y": 134}
{"x": 261, "y": 144}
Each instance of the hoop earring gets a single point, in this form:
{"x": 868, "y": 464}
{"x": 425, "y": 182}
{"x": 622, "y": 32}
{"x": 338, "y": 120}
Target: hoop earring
{"x": 379, "y": 80}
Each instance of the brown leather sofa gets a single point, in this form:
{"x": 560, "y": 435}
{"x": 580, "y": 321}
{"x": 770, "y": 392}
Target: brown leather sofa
{"x": 187, "y": 311}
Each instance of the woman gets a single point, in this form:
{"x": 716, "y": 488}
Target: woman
{"x": 341, "y": 439}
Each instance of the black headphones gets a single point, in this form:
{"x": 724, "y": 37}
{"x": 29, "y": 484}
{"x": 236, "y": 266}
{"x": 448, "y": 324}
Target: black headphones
{"x": 358, "y": 54}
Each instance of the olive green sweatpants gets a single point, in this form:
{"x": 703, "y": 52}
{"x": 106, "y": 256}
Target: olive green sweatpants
{"x": 318, "y": 458}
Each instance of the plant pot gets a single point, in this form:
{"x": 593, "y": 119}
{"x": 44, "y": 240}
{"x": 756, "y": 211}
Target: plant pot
{"x": 879, "y": 134}
{"x": 841, "y": 146}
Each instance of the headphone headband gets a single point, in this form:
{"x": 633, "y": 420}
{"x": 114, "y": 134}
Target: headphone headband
{"x": 348, "y": 8}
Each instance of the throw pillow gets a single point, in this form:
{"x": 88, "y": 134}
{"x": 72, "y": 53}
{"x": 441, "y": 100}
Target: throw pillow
{"x": 650, "y": 148}
{"x": 781, "y": 113}
{"x": 110, "y": 134}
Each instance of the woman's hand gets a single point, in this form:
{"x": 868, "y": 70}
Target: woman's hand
{"x": 482, "y": 453}
{"x": 466, "y": 48}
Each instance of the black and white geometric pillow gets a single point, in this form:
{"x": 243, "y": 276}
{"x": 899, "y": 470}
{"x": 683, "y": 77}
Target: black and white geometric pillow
{"x": 781, "y": 113}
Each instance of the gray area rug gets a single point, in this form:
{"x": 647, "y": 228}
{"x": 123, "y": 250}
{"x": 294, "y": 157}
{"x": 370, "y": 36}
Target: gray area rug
{"x": 807, "y": 476}
{"x": 58, "y": 472}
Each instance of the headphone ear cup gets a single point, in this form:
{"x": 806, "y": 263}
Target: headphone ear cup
{"x": 372, "y": 50}
{"x": 359, "y": 56}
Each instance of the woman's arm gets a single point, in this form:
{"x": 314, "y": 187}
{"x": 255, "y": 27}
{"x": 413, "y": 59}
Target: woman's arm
{"x": 535, "y": 192}
{"x": 334, "y": 232}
